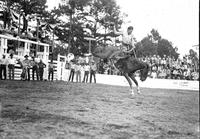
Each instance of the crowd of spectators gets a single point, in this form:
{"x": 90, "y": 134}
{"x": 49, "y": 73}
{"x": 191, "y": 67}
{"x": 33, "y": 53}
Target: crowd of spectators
{"x": 30, "y": 34}
{"x": 161, "y": 68}
{"x": 8, "y": 64}
{"x": 82, "y": 71}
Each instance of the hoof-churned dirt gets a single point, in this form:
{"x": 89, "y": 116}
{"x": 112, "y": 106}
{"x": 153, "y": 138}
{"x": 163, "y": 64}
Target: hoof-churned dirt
{"x": 57, "y": 110}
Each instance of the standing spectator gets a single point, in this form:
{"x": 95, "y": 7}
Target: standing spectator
{"x": 11, "y": 67}
{"x": 87, "y": 70}
{"x": 78, "y": 72}
{"x": 34, "y": 65}
{"x": 93, "y": 69}
{"x": 100, "y": 67}
{"x": 72, "y": 71}
{"x": 51, "y": 70}
{"x": 82, "y": 71}
{"x": 67, "y": 67}
{"x": 41, "y": 67}
{"x": 3, "y": 65}
{"x": 26, "y": 64}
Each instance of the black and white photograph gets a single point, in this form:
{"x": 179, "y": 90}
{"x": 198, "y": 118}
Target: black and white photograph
{"x": 99, "y": 69}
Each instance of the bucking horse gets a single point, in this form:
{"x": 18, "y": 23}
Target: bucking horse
{"x": 127, "y": 65}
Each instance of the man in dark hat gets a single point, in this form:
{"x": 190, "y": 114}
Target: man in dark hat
{"x": 26, "y": 68}
{"x": 41, "y": 67}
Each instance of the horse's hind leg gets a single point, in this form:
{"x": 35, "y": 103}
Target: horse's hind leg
{"x": 129, "y": 81}
{"x": 132, "y": 76}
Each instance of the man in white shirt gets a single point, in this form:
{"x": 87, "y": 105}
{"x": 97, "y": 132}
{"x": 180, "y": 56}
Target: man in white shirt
{"x": 78, "y": 72}
{"x": 128, "y": 42}
{"x": 3, "y": 66}
{"x": 72, "y": 71}
{"x": 93, "y": 69}
{"x": 11, "y": 67}
{"x": 86, "y": 74}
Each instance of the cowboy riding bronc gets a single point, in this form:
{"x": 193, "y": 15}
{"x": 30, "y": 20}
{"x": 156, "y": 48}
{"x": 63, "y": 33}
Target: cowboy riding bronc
{"x": 126, "y": 49}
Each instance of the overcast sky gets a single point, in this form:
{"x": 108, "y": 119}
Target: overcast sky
{"x": 175, "y": 20}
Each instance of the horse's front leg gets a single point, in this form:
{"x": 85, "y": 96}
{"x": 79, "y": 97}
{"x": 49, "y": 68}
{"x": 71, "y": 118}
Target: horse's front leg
{"x": 132, "y": 76}
{"x": 130, "y": 83}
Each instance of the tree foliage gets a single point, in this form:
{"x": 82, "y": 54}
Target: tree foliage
{"x": 154, "y": 44}
{"x": 24, "y": 8}
{"x": 77, "y": 19}
{"x": 89, "y": 18}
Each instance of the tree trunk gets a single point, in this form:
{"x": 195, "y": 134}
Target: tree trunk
{"x": 25, "y": 24}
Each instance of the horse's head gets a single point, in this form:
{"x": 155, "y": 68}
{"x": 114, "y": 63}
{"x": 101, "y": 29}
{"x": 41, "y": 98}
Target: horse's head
{"x": 144, "y": 72}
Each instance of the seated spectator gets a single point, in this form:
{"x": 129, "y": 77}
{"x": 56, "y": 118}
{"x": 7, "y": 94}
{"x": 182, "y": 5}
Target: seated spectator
{"x": 175, "y": 74}
{"x": 180, "y": 73}
{"x": 163, "y": 74}
{"x": 154, "y": 74}
{"x": 194, "y": 75}
{"x": 154, "y": 71}
{"x": 168, "y": 73}
{"x": 188, "y": 75}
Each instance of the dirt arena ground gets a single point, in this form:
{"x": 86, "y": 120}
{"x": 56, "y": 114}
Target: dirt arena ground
{"x": 57, "y": 110}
